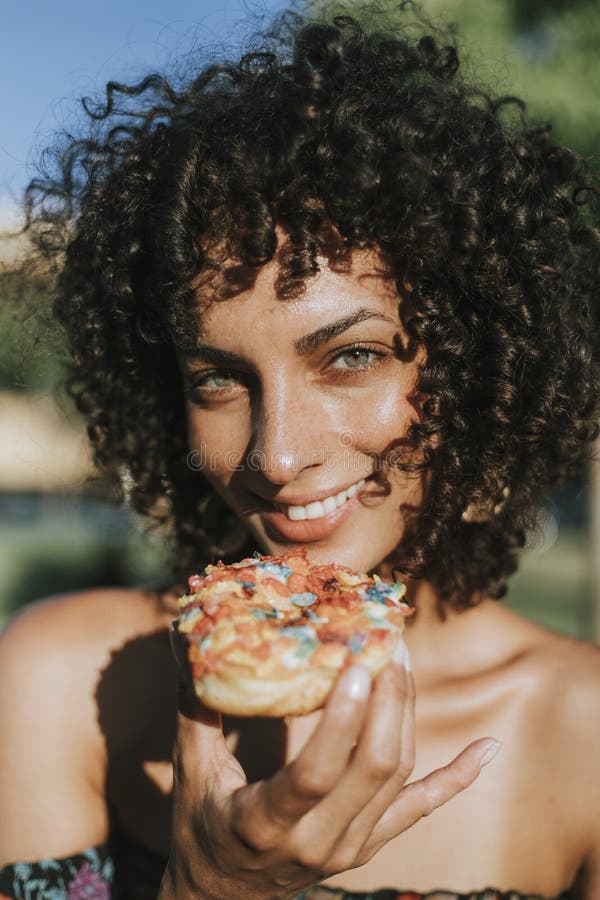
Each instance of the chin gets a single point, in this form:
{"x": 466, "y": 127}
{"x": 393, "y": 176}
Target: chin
{"x": 332, "y": 550}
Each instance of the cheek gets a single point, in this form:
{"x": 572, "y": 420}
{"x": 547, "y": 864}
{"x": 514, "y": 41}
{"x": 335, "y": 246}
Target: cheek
{"x": 385, "y": 418}
{"x": 393, "y": 409}
{"x": 217, "y": 443}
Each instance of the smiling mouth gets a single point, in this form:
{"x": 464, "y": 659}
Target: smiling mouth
{"x": 319, "y": 508}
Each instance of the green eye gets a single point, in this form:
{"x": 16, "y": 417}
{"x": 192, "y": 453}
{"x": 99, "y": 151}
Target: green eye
{"x": 213, "y": 383}
{"x": 357, "y": 356}
{"x": 219, "y": 380}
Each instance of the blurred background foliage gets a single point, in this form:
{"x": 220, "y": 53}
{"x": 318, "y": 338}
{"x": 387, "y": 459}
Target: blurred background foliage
{"x": 545, "y": 51}
{"x": 73, "y": 535}
{"x": 32, "y": 352}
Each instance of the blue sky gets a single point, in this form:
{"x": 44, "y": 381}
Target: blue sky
{"x": 51, "y": 53}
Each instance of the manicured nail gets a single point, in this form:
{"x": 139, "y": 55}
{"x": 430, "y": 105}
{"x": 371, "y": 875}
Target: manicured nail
{"x": 400, "y": 654}
{"x": 357, "y": 682}
{"x": 176, "y": 643}
{"x": 492, "y": 750}
{"x": 179, "y": 652}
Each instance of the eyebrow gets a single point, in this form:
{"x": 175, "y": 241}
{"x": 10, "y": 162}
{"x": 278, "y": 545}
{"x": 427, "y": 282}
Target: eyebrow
{"x": 315, "y": 339}
{"x": 303, "y": 346}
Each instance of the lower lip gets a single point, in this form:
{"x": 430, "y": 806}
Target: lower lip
{"x": 308, "y": 530}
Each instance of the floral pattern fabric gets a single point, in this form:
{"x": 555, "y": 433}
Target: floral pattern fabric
{"x": 84, "y": 876}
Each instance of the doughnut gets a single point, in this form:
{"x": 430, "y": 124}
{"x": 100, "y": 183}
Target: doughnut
{"x": 268, "y": 636}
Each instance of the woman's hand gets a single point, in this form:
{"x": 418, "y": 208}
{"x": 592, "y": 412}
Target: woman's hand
{"x": 329, "y": 810}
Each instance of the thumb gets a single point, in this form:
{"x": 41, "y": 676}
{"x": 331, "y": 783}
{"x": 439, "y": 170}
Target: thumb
{"x": 200, "y": 746}
{"x": 189, "y": 706}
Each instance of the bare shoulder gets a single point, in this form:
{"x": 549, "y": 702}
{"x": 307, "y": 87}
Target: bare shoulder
{"x": 556, "y": 679}
{"x": 105, "y": 611}
{"x": 553, "y": 661}
{"x": 52, "y": 658}
{"x": 565, "y": 674}
{"x": 70, "y": 652}
{"x": 570, "y": 673}
{"x": 65, "y": 641}
{"x": 551, "y": 743}
{"x": 573, "y": 684}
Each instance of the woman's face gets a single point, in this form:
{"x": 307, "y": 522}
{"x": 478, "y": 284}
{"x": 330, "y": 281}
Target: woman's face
{"x": 291, "y": 402}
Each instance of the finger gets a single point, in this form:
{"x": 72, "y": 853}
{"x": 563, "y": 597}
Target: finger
{"x": 421, "y": 798}
{"x": 188, "y": 704}
{"x": 200, "y": 752}
{"x": 267, "y": 810}
{"x": 360, "y": 828}
{"x": 378, "y": 759}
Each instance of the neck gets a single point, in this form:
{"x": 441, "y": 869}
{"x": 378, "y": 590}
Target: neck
{"x": 457, "y": 643}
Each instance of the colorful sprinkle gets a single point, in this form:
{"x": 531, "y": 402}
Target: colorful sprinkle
{"x": 315, "y": 618}
{"x": 357, "y": 642}
{"x": 282, "y": 573}
{"x": 261, "y": 614}
{"x": 304, "y": 599}
{"x": 301, "y": 632}
{"x": 305, "y": 648}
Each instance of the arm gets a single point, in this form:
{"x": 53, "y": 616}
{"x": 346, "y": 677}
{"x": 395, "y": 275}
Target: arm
{"x": 51, "y": 754}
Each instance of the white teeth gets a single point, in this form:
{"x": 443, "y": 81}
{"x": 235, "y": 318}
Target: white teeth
{"x": 295, "y": 513}
{"x": 329, "y": 505}
{"x": 320, "y": 507}
{"x": 314, "y": 510}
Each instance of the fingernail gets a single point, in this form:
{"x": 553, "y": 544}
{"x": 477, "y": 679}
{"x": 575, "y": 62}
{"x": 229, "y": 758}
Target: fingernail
{"x": 176, "y": 643}
{"x": 357, "y": 682}
{"x": 177, "y": 646}
{"x": 400, "y": 654}
{"x": 490, "y": 753}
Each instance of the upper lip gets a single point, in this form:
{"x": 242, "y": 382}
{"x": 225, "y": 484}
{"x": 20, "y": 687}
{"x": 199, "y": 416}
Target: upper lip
{"x": 305, "y": 499}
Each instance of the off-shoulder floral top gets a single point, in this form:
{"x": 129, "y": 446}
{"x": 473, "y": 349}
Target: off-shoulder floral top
{"x": 92, "y": 875}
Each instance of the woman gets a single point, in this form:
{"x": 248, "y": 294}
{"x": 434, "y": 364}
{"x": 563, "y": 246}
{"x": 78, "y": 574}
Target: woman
{"x": 330, "y": 264}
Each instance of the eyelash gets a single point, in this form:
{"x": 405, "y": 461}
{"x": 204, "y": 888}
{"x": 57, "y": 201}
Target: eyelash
{"x": 199, "y": 386}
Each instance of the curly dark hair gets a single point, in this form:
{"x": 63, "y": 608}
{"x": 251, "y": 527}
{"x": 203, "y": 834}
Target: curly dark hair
{"x": 325, "y": 126}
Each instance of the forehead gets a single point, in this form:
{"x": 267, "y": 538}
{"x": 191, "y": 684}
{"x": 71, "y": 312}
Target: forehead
{"x": 367, "y": 282}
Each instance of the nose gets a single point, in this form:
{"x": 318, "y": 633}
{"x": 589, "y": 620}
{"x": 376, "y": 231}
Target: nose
{"x": 290, "y": 435}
